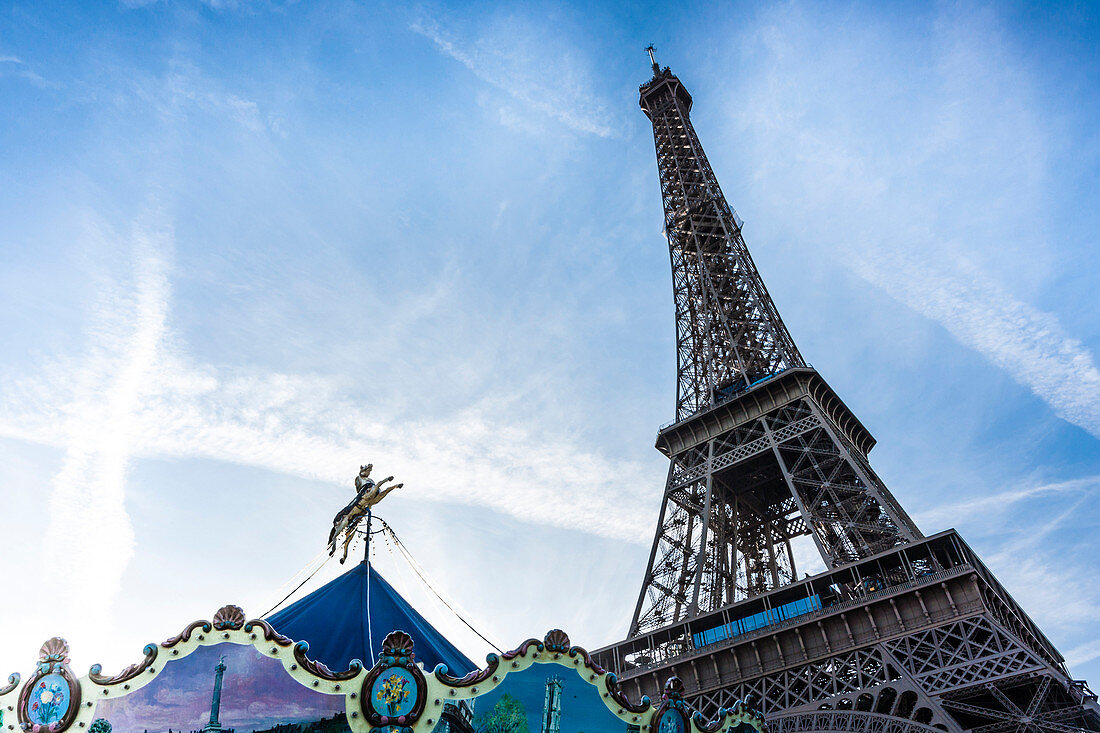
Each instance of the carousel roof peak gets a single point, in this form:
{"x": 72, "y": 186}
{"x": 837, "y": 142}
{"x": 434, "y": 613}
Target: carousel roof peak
{"x": 349, "y": 616}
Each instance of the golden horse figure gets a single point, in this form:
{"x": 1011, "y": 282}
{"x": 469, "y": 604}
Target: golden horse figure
{"x": 346, "y": 521}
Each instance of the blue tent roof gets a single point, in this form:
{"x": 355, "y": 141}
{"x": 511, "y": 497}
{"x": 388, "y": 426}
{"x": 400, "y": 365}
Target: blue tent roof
{"x": 333, "y": 619}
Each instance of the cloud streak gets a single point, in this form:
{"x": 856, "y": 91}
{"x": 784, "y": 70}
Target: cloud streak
{"x": 15, "y": 66}
{"x": 930, "y": 212}
{"x": 993, "y": 505}
{"x": 159, "y": 405}
{"x": 510, "y": 54}
{"x": 98, "y": 423}
{"x": 1029, "y": 344}
{"x": 1083, "y": 653}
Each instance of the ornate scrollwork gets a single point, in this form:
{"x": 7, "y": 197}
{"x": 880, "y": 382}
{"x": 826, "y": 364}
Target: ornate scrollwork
{"x": 616, "y": 694}
{"x": 13, "y": 682}
{"x": 492, "y": 663}
{"x": 556, "y": 642}
{"x": 270, "y": 634}
{"x": 521, "y": 650}
{"x": 673, "y": 714}
{"x": 185, "y": 635}
{"x": 228, "y": 618}
{"x": 393, "y": 694}
{"x": 318, "y": 669}
{"x": 673, "y": 704}
{"x": 127, "y": 674}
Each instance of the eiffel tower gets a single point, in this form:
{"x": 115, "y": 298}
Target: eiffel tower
{"x": 902, "y": 632}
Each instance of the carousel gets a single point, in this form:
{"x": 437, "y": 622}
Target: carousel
{"x": 351, "y": 656}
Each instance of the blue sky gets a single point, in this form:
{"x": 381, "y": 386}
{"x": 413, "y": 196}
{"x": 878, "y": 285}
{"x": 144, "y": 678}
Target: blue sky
{"x": 247, "y": 247}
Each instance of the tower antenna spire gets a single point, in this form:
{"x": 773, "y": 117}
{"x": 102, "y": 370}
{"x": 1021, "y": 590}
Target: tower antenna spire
{"x": 653, "y": 60}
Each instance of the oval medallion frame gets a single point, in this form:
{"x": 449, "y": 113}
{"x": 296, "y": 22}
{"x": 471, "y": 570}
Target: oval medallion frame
{"x": 51, "y": 679}
{"x": 387, "y": 689}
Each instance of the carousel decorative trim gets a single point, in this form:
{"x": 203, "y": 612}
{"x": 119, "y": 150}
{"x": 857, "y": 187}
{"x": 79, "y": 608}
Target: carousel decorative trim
{"x": 396, "y": 693}
{"x": 270, "y": 634}
{"x": 319, "y": 669}
{"x": 230, "y": 625}
{"x": 557, "y": 644}
{"x": 616, "y": 694}
{"x": 229, "y": 617}
{"x": 185, "y": 635}
{"x": 492, "y": 662}
{"x": 127, "y": 674}
{"x": 673, "y": 714}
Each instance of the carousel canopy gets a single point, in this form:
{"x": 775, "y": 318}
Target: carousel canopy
{"x": 340, "y": 624}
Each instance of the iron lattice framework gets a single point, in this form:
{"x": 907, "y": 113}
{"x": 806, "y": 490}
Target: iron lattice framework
{"x": 902, "y": 633}
{"x": 738, "y": 492}
{"x": 728, "y": 332}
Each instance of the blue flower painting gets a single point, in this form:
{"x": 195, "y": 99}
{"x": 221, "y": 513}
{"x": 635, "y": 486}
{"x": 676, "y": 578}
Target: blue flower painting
{"x": 49, "y": 700}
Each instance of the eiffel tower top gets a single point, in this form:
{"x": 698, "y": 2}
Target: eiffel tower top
{"x": 728, "y": 331}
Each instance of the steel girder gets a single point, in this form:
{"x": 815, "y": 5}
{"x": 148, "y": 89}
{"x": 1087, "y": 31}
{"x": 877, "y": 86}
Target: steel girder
{"x": 972, "y": 675}
{"x": 845, "y": 721}
{"x": 733, "y": 505}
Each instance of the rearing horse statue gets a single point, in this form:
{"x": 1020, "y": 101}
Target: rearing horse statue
{"x": 368, "y": 493}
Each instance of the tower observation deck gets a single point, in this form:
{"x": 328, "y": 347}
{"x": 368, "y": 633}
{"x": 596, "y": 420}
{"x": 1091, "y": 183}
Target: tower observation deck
{"x": 902, "y": 631}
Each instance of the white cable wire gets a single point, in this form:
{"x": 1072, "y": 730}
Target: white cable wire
{"x": 288, "y": 595}
{"x": 420, "y": 573}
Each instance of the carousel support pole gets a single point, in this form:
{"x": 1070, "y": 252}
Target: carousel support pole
{"x": 366, "y": 549}
{"x": 366, "y": 559}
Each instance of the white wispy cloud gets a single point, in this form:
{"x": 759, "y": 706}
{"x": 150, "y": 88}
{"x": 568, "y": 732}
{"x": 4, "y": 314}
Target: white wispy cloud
{"x": 996, "y": 504}
{"x": 529, "y": 64}
{"x": 1083, "y": 653}
{"x": 300, "y": 426}
{"x": 1029, "y": 567}
{"x": 15, "y": 67}
{"x": 137, "y": 394}
{"x": 940, "y": 208}
{"x": 189, "y": 87}
{"x": 97, "y": 423}
{"x": 1026, "y": 342}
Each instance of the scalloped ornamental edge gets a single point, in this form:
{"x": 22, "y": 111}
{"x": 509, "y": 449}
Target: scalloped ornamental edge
{"x": 229, "y": 626}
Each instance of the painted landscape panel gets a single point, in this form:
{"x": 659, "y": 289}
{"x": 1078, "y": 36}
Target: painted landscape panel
{"x": 225, "y": 688}
{"x": 545, "y": 698}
